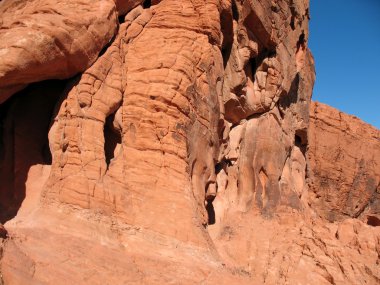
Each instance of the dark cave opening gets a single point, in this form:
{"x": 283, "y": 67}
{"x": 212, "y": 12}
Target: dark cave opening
{"x": 210, "y": 212}
{"x": 253, "y": 67}
{"x": 121, "y": 19}
{"x": 300, "y": 140}
{"x": 112, "y": 138}
{"x": 24, "y": 126}
{"x": 147, "y": 4}
{"x": 297, "y": 141}
{"x": 3, "y": 114}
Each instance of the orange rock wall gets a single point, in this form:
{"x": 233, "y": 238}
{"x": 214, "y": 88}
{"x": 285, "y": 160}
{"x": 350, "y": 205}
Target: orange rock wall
{"x": 179, "y": 148}
{"x": 344, "y": 156}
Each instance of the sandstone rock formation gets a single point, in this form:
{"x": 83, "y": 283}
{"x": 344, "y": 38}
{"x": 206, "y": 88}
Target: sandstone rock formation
{"x": 344, "y": 156}
{"x": 173, "y": 147}
{"x": 43, "y": 40}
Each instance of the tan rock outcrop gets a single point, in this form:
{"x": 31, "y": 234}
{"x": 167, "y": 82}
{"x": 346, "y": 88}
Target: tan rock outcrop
{"x": 179, "y": 154}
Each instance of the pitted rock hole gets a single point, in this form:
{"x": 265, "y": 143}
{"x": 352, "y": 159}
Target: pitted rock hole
{"x": 147, "y": 4}
{"x": 373, "y": 221}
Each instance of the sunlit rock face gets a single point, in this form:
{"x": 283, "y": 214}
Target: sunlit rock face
{"x": 344, "y": 155}
{"x": 153, "y": 142}
{"x": 42, "y": 39}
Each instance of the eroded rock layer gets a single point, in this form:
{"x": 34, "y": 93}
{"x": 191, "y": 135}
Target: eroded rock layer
{"x": 180, "y": 152}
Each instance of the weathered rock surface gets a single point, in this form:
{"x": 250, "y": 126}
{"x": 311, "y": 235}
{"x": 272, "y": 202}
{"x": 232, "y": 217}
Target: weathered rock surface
{"x": 344, "y": 157}
{"x": 179, "y": 154}
{"x": 42, "y": 39}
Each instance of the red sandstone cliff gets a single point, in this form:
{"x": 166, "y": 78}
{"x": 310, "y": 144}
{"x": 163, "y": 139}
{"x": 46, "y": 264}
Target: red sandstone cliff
{"x": 174, "y": 142}
{"x": 344, "y": 163}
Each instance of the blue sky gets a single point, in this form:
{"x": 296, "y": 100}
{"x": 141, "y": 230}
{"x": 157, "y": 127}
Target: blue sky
{"x": 345, "y": 41}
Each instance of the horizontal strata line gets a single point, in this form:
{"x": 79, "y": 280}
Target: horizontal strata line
{"x": 154, "y": 150}
{"x": 198, "y": 31}
{"x": 75, "y": 117}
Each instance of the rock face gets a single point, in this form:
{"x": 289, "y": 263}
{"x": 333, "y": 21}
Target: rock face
{"x": 44, "y": 40}
{"x": 182, "y": 151}
{"x": 344, "y": 156}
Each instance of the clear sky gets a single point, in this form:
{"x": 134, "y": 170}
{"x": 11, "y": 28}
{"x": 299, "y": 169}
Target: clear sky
{"x": 345, "y": 41}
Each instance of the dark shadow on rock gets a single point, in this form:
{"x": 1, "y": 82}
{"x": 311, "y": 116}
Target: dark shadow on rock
{"x": 226, "y": 22}
{"x": 373, "y": 221}
{"x": 24, "y": 124}
{"x": 292, "y": 98}
{"x": 210, "y": 212}
{"x": 112, "y": 138}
